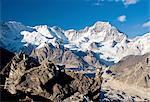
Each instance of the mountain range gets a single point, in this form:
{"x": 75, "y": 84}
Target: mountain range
{"x": 31, "y": 56}
{"x": 104, "y": 41}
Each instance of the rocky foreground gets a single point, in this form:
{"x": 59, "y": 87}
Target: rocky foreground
{"x": 37, "y": 78}
{"x": 25, "y": 79}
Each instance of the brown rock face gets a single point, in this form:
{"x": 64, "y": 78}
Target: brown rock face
{"x": 58, "y": 55}
{"x": 134, "y": 70}
{"x": 5, "y": 57}
{"x": 46, "y": 80}
{"x": 64, "y": 56}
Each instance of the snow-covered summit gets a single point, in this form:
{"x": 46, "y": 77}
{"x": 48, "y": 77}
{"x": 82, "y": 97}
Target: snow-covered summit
{"x": 102, "y": 38}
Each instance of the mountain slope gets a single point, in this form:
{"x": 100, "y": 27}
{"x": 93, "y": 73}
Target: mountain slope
{"x": 71, "y": 59}
{"x": 102, "y": 38}
{"x": 128, "y": 80}
{"x": 134, "y": 70}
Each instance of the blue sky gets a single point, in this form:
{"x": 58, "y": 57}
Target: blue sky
{"x": 130, "y": 16}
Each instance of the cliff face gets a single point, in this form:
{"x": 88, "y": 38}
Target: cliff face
{"x": 128, "y": 80}
{"x": 71, "y": 59}
{"x": 134, "y": 70}
{"x": 47, "y": 81}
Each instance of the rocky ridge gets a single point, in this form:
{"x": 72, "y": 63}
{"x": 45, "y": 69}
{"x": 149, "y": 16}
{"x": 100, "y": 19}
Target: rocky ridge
{"x": 128, "y": 80}
{"x": 64, "y": 56}
{"x": 33, "y": 79}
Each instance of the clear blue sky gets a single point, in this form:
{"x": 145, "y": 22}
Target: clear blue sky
{"x": 77, "y": 14}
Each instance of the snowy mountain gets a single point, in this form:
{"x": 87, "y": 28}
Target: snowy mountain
{"x": 102, "y": 38}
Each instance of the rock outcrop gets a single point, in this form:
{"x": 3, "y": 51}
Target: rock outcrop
{"x": 134, "y": 70}
{"x": 47, "y": 81}
{"x": 128, "y": 80}
{"x": 61, "y": 55}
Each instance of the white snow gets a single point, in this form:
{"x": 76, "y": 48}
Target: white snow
{"x": 101, "y": 38}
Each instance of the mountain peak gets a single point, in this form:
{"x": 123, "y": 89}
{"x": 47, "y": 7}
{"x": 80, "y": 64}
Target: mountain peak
{"x": 101, "y": 38}
{"x": 102, "y": 24}
{"x": 14, "y": 22}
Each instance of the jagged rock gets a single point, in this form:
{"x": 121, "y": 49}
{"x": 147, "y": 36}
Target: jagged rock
{"x": 128, "y": 80}
{"x": 48, "y": 81}
{"x": 134, "y": 70}
{"x": 5, "y": 58}
{"x": 77, "y": 97}
{"x": 60, "y": 55}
